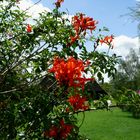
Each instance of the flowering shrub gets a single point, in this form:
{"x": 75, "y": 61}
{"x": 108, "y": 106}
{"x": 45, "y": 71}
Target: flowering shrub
{"x": 42, "y": 76}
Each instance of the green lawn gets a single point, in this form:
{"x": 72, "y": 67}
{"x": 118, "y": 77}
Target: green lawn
{"x": 110, "y": 125}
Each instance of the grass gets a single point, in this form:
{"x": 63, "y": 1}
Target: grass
{"x": 110, "y": 125}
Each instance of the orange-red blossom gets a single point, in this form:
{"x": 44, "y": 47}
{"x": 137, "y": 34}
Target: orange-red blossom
{"x": 78, "y": 102}
{"x": 107, "y": 40}
{"x": 62, "y": 131}
{"x": 81, "y": 24}
{"x": 58, "y": 3}
{"x": 29, "y": 28}
{"x": 69, "y": 72}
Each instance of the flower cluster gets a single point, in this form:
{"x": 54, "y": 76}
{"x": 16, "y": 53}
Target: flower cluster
{"x": 78, "y": 102}
{"x": 81, "y": 24}
{"x": 62, "y": 131}
{"x": 69, "y": 73}
{"x": 107, "y": 40}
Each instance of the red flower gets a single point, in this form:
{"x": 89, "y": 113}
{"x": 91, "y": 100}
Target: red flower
{"x": 73, "y": 39}
{"x": 69, "y": 73}
{"x": 107, "y": 40}
{"x": 78, "y": 102}
{"x": 65, "y": 129}
{"x": 29, "y": 28}
{"x": 62, "y": 131}
{"x": 81, "y": 24}
{"x": 67, "y": 109}
{"x": 58, "y": 3}
{"x": 52, "y": 133}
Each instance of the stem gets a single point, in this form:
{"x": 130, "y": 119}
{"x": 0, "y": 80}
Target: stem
{"x": 108, "y": 50}
{"x": 82, "y": 119}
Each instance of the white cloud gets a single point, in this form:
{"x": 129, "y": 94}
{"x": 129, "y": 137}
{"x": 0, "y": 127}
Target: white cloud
{"x": 69, "y": 17}
{"x": 34, "y": 9}
{"x": 122, "y": 45}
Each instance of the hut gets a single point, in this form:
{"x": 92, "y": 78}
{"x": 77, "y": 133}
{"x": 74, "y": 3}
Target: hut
{"x": 95, "y": 90}
{"x": 92, "y": 88}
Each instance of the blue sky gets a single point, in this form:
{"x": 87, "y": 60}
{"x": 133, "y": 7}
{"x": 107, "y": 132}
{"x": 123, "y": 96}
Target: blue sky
{"x": 107, "y": 12}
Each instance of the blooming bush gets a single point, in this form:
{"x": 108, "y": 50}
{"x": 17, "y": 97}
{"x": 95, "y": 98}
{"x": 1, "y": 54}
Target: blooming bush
{"x": 43, "y": 71}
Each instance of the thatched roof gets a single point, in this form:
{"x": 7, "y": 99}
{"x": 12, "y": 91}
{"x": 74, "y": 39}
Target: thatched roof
{"x": 92, "y": 87}
{"x": 95, "y": 90}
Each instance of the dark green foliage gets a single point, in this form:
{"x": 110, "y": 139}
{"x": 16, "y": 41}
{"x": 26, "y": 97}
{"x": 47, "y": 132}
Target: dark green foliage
{"x": 130, "y": 101}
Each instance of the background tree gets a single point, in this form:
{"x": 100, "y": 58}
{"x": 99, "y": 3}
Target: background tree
{"x": 135, "y": 14}
{"x": 128, "y": 72}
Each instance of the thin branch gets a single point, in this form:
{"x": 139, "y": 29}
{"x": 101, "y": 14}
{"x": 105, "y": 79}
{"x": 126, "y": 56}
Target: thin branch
{"x": 52, "y": 84}
{"x": 32, "y": 6}
{"x": 21, "y": 61}
{"x": 82, "y": 120}
{"x": 108, "y": 50}
{"x": 8, "y": 91}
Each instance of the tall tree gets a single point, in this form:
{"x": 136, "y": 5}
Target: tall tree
{"x": 128, "y": 74}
